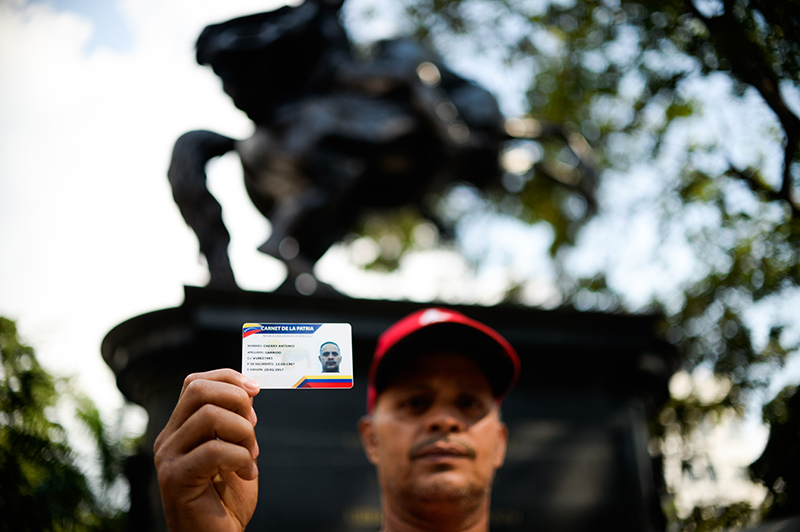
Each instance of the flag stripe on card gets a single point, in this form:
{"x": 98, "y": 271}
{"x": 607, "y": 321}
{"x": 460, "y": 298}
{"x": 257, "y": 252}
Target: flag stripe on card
{"x": 249, "y": 329}
{"x": 340, "y": 381}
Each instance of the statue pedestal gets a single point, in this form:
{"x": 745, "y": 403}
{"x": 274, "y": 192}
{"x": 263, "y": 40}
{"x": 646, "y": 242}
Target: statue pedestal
{"x": 577, "y": 456}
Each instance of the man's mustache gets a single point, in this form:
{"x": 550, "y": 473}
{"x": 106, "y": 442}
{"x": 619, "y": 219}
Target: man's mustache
{"x": 448, "y": 444}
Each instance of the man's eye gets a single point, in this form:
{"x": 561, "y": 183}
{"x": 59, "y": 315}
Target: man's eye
{"x": 470, "y": 403}
{"x": 417, "y": 404}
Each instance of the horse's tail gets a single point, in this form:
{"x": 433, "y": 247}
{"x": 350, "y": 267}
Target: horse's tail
{"x": 187, "y": 175}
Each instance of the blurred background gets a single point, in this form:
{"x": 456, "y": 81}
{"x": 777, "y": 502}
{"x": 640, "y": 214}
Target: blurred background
{"x": 689, "y": 111}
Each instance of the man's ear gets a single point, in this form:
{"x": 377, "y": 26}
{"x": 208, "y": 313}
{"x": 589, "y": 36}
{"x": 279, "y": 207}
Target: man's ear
{"x": 502, "y": 446}
{"x": 369, "y": 440}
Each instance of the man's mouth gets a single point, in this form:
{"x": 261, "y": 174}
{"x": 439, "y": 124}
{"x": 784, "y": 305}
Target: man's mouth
{"x": 441, "y": 450}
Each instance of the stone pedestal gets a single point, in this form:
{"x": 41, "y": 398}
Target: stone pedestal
{"x": 577, "y": 455}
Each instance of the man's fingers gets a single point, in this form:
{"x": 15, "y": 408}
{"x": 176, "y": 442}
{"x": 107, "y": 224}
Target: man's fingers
{"x": 197, "y": 468}
{"x": 224, "y": 375}
{"x": 199, "y": 392}
{"x": 212, "y": 422}
{"x": 216, "y": 456}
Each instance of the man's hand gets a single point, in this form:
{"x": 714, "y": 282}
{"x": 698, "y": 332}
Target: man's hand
{"x": 206, "y": 455}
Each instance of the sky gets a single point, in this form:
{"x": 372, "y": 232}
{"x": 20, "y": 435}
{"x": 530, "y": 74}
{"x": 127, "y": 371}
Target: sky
{"x": 93, "y": 96}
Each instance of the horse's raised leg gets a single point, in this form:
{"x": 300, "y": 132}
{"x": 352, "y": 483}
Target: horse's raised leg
{"x": 198, "y": 206}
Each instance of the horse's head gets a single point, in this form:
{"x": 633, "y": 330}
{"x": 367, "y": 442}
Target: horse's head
{"x": 268, "y": 58}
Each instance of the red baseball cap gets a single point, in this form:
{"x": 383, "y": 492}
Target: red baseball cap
{"x": 435, "y": 329}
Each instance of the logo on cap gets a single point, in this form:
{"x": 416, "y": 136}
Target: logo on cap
{"x": 433, "y": 315}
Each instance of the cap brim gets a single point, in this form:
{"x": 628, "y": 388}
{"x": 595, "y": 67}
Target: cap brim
{"x": 490, "y": 355}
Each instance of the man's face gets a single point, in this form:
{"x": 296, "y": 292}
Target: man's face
{"x": 435, "y": 432}
{"x": 330, "y": 357}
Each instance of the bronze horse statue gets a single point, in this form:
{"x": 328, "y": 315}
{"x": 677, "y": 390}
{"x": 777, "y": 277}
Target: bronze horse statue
{"x": 335, "y": 136}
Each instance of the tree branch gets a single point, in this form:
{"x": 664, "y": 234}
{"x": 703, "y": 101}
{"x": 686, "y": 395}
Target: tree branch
{"x": 759, "y": 187}
{"x": 750, "y": 65}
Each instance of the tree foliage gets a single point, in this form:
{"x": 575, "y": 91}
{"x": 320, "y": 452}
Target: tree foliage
{"x": 645, "y": 83}
{"x": 44, "y": 486}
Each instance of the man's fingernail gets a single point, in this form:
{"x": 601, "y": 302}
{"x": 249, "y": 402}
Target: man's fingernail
{"x": 253, "y": 416}
{"x": 250, "y": 383}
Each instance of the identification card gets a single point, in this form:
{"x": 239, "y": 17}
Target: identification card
{"x": 298, "y": 355}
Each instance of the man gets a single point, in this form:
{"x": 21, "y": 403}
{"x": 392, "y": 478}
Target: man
{"x": 432, "y": 430}
{"x": 330, "y": 357}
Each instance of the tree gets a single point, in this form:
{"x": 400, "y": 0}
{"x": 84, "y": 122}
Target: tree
{"x": 44, "y": 487}
{"x": 643, "y": 82}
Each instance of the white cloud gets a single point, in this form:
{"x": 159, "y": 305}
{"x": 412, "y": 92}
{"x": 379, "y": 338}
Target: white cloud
{"x": 89, "y": 232}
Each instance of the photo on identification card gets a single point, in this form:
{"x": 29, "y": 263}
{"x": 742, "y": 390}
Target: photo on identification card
{"x": 298, "y": 355}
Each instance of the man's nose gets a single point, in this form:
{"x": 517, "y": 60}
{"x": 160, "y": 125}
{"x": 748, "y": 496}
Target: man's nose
{"x": 444, "y": 418}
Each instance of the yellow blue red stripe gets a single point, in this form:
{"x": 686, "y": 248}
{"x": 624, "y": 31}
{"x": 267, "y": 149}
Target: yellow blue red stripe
{"x": 317, "y": 381}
